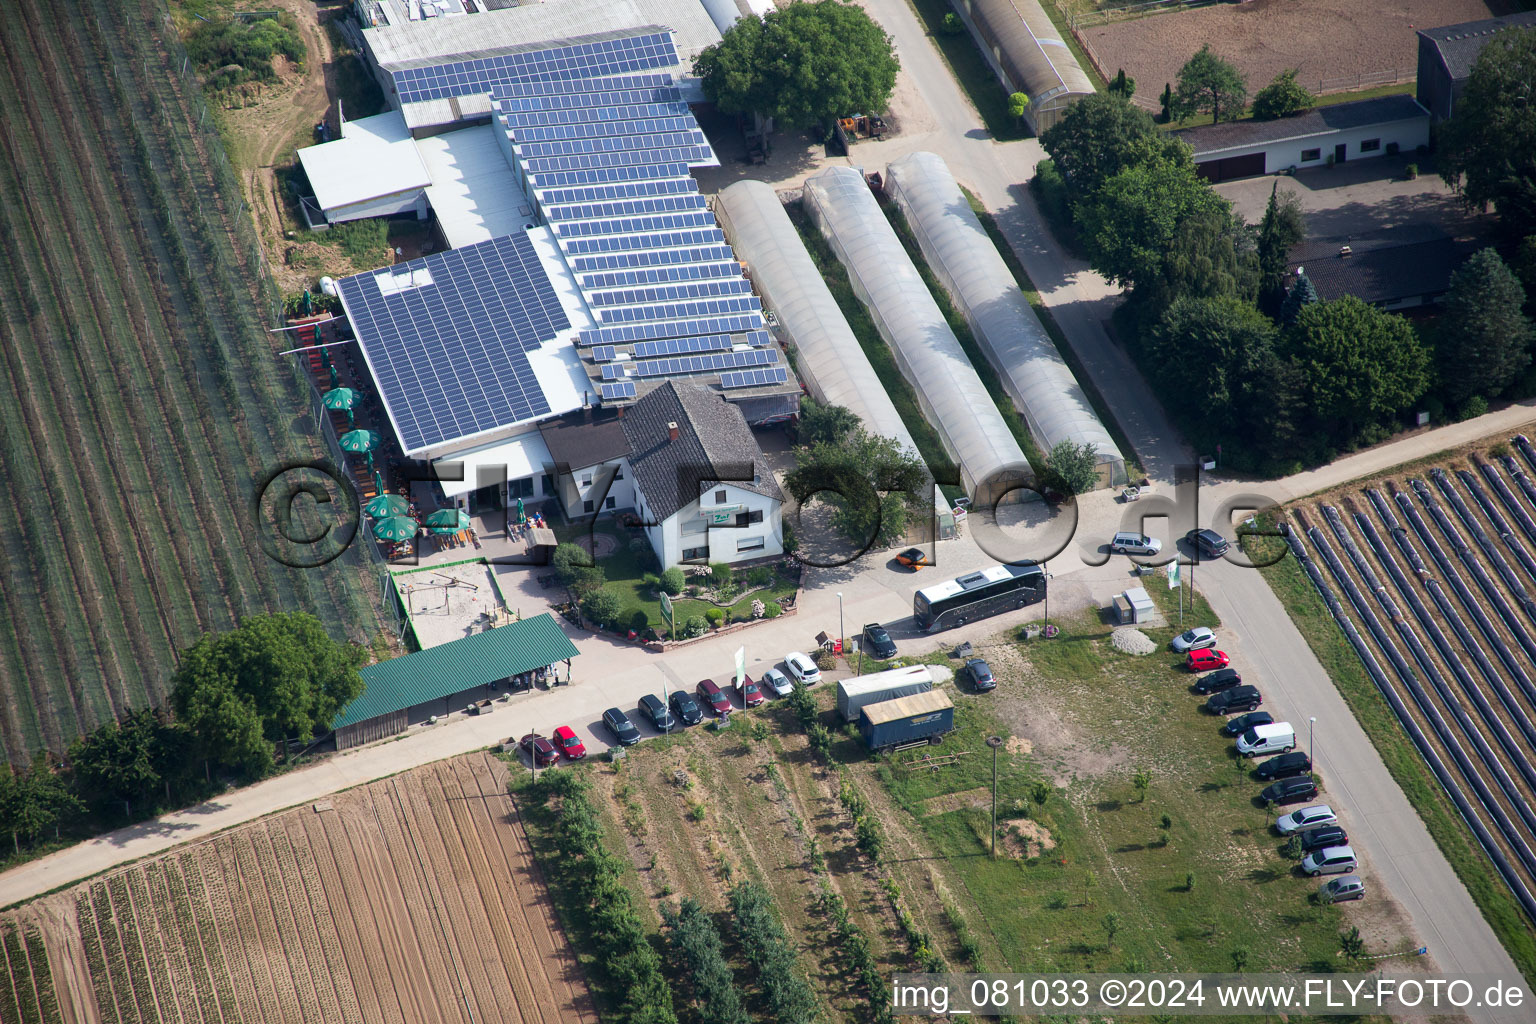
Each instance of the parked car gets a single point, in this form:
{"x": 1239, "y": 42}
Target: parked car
{"x": 1204, "y": 661}
{"x": 1195, "y": 639}
{"x": 685, "y": 707}
{"x": 1284, "y": 767}
{"x": 1208, "y": 542}
{"x": 1135, "y": 544}
{"x": 1305, "y": 818}
{"x": 1223, "y": 679}
{"x": 1331, "y": 860}
{"x": 567, "y": 743}
{"x": 979, "y": 674}
{"x": 777, "y": 682}
{"x": 652, "y": 707}
{"x": 751, "y": 693}
{"x": 1323, "y": 836}
{"x": 1238, "y": 698}
{"x": 1242, "y": 723}
{"x": 623, "y": 729}
{"x": 877, "y": 641}
{"x": 913, "y": 558}
{"x": 539, "y": 749}
{"x": 1345, "y": 887}
{"x": 1276, "y": 738}
{"x": 802, "y": 668}
{"x": 712, "y": 697}
{"x": 1288, "y": 791}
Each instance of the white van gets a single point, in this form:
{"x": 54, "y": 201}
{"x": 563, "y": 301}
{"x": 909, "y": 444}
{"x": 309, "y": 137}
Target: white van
{"x": 1275, "y": 738}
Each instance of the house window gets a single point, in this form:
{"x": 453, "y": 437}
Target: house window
{"x": 1311, "y": 154}
{"x": 587, "y": 506}
{"x": 520, "y": 488}
{"x": 750, "y": 544}
{"x": 748, "y": 518}
{"x": 586, "y": 479}
{"x": 1370, "y": 145}
{"x": 618, "y": 472}
{"x": 611, "y": 503}
{"x": 695, "y": 554}
{"x": 719, "y": 497}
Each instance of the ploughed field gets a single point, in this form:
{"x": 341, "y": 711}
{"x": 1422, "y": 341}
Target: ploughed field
{"x": 409, "y": 899}
{"x": 140, "y": 396}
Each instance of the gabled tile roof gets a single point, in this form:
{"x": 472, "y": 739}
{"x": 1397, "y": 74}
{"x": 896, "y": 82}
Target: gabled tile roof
{"x": 1382, "y": 267}
{"x": 1210, "y": 139}
{"x": 574, "y": 442}
{"x": 1459, "y": 45}
{"x": 714, "y": 444}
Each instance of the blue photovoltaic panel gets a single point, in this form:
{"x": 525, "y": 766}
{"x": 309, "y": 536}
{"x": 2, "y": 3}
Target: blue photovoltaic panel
{"x": 636, "y": 225}
{"x": 577, "y": 60}
{"x": 706, "y": 363}
{"x": 668, "y": 131}
{"x": 678, "y": 310}
{"x": 687, "y": 203}
{"x": 677, "y": 186}
{"x": 608, "y": 175}
{"x": 759, "y": 339}
{"x": 620, "y": 389}
{"x": 659, "y": 275}
{"x": 754, "y": 378}
{"x": 669, "y": 293}
{"x": 588, "y": 86}
{"x": 603, "y": 353}
{"x": 652, "y": 258}
{"x": 446, "y": 337}
{"x": 613, "y": 371}
{"x": 683, "y": 346}
{"x": 626, "y": 243}
{"x": 628, "y": 158}
{"x": 676, "y": 329}
{"x": 523, "y": 118}
{"x": 612, "y": 143}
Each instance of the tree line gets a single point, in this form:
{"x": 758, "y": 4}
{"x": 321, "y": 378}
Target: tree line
{"x": 234, "y": 698}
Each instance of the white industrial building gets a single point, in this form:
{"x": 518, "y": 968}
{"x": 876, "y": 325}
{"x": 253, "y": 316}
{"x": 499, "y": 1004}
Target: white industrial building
{"x": 956, "y": 402}
{"x": 967, "y": 264}
{"x": 829, "y": 358}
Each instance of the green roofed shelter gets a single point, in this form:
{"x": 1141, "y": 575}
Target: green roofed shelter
{"x": 446, "y": 678}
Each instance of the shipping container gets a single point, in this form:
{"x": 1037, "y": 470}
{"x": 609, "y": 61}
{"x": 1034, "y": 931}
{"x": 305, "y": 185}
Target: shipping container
{"x": 853, "y": 695}
{"x": 894, "y": 723}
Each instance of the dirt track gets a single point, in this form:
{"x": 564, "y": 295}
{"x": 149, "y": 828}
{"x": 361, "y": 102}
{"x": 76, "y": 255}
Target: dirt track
{"x": 1325, "y": 39}
{"x": 411, "y": 899}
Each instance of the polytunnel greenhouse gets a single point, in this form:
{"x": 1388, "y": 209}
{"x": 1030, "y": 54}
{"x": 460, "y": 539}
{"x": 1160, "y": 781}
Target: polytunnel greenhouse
{"x": 992, "y": 465}
{"x": 962, "y": 256}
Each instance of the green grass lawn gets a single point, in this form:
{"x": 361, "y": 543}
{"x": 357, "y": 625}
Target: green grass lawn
{"x": 1295, "y": 590}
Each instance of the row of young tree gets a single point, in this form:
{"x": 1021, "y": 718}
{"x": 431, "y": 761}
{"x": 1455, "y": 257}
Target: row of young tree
{"x": 1243, "y": 353}
{"x": 234, "y": 698}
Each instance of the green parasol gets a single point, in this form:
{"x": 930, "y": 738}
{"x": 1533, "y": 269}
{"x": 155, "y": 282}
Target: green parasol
{"x": 395, "y": 528}
{"x": 522, "y": 517}
{"x": 447, "y": 520}
{"x": 359, "y": 441}
{"x": 341, "y": 398}
{"x": 335, "y": 377}
{"x": 378, "y": 483}
{"x": 385, "y": 505}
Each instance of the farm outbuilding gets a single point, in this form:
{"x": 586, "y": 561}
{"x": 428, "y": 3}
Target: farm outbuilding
{"x": 1320, "y": 137}
{"x": 1028, "y": 55}
{"x": 1446, "y": 56}
{"x": 829, "y": 358}
{"x": 952, "y": 396}
{"x": 962, "y": 256}
{"x": 443, "y": 679}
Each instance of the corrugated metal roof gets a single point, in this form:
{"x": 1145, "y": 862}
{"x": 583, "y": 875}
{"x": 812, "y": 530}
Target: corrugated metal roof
{"x": 476, "y": 660}
{"x": 901, "y": 707}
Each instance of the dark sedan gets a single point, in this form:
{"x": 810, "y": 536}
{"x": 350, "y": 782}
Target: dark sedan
{"x": 1242, "y": 723}
{"x": 1323, "y": 837}
{"x": 1284, "y": 767}
{"x": 1289, "y": 791}
{"x": 623, "y": 729}
{"x": 878, "y": 642}
{"x": 539, "y": 749}
{"x": 685, "y": 707}
{"x": 1221, "y": 679}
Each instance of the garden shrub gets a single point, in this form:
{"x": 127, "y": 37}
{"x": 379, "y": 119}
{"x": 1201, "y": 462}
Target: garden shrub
{"x": 673, "y": 581}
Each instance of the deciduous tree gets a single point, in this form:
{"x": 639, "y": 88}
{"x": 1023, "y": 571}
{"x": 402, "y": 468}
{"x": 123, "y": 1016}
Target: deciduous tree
{"x": 1208, "y": 84}
{"x": 868, "y": 480}
{"x": 1484, "y": 340}
{"x": 825, "y": 423}
{"x": 1282, "y": 97}
{"x": 1222, "y": 350}
{"x": 1096, "y": 138}
{"x": 1487, "y": 150}
{"x": 1072, "y": 467}
{"x": 804, "y": 65}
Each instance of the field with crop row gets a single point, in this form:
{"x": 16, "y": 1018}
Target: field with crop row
{"x": 412, "y": 899}
{"x": 140, "y": 397}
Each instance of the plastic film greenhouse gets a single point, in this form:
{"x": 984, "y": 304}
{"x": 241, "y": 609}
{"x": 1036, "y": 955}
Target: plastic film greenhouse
{"x": 954, "y": 399}
{"x": 966, "y": 262}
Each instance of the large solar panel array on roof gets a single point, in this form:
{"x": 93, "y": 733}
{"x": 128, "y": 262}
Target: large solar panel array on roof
{"x": 556, "y": 63}
{"x": 659, "y": 275}
{"x": 585, "y": 87}
{"x": 674, "y": 310}
{"x": 672, "y": 329}
{"x": 582, "y": 140}
{"x": 632, "y": 158}
{"x": 624, "y": 243}
{"x": 653, "y": 258}
{"x": 683, "y": 365}
{"x": 537, "y": 118}
{"x": 669, "y": 131}
{"x": 690, "y": 290}
{"x": 607, "y": 175}
{"x": 620, "y": 389}
{"x": 754, "y": 378}
{"x": 683, "y": 346}
{"x": 551, "y": 198}
{"x": 626, "y": 208}
{"x": 635, "y": 225}
{"x": 446, "y": 337}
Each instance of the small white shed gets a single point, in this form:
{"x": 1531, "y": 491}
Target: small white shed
{"x": 1134, "y": 606}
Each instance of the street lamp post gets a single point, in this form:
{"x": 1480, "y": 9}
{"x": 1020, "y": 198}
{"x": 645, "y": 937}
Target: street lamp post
{"x": 994, "y": 742}
{"x": 840, "y": 633}
{"x": 1311, "y": 746}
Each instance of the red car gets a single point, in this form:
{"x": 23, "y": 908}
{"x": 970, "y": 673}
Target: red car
{"x": 540, "y": 749}
{"x": 712, "y": 697}
{"x": 1204, "y": 661}
{"x": 567, "y": 743}
{"x": 751, "y": 693}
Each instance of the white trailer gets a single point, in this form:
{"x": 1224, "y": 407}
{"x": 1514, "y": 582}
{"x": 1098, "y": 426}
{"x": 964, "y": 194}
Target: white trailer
{"x": 856, "y": 693}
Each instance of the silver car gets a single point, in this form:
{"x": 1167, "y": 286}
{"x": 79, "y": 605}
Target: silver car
{"x": 1345, "y": 887}
{"x": 778, "y": 682}
{"x": 1331, "y": 860}
{"x": 1305, "y": 818}
{"x": 1197, "y": 639}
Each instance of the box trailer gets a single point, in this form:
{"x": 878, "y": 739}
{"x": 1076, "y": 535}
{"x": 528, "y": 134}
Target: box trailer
{"x": 853, "y": 695}
{"x": 907, "y": 721}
